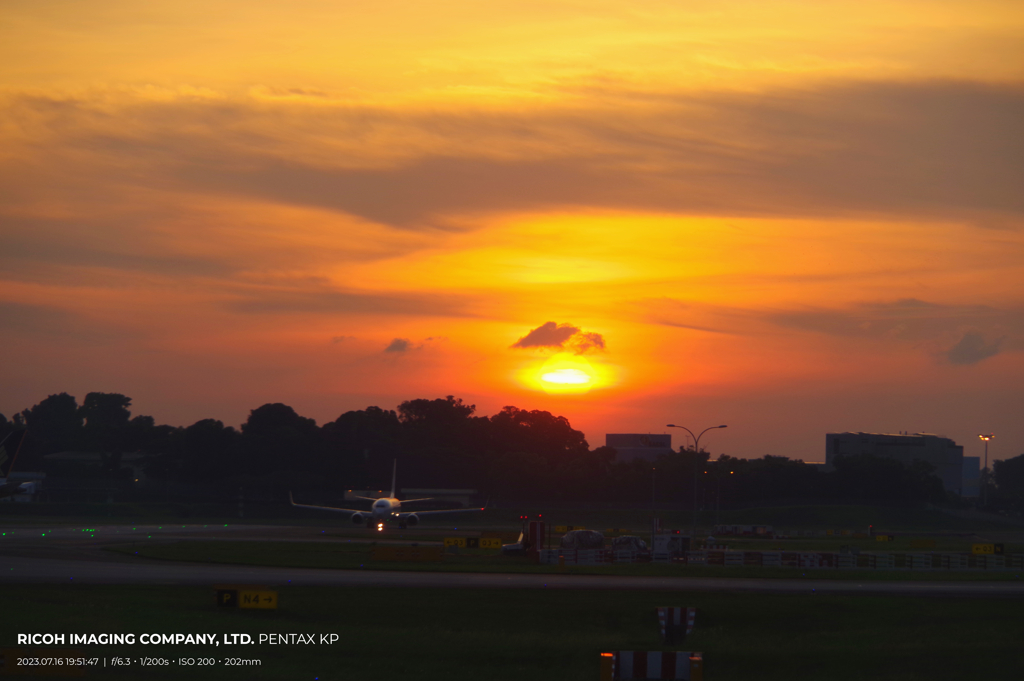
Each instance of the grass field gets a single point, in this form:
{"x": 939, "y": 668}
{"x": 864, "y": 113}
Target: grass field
{"x": 358, "y": 556}
{"x": 513, "y": 635}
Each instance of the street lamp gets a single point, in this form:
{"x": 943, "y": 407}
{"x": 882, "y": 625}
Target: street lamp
{"x": 718, "y": 496}
{"x": 696, "y": 450}
{"x": 985, "y": 438}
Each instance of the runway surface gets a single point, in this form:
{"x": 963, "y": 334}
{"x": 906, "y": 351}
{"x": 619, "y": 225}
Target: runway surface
{"x": 30, "y": 570}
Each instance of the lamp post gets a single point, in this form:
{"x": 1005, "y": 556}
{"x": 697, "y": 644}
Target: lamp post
{"x": 985, "y": 438}
{"x": 696, "y": 450}
{"x": 718, "y": 495}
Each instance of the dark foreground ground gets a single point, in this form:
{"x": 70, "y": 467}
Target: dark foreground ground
{"x": 515, "y": 634}
{"x": 396, "y": 624}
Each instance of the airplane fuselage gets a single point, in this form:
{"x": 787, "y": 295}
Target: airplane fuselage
{"x": 384, "y": 508}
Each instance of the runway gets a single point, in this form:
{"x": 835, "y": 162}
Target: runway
{"x": 32, "y": 570}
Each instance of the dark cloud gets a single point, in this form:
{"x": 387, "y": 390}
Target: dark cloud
{"x": 51, "y": 323}
{"x": 399, "y": 345}
{"x": 41, "y": 249}
{"x": 259, "y": 301}
{"x": 958, "y": 333}
{"x": 928, "y": 325}
{"x": 547, "y": 335}
{"x": 936, "y": 148}
{"x": 553, "y": 335}
{"x": 586, "y": 341}
{"x": 973, "y": 348}
{"x": 907, "y": 319}
{"x": 36, "y": 318}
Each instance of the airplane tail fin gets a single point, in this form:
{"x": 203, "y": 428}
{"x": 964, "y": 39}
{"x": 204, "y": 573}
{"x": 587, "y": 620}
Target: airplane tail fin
{"x": 394, "y": 473}
{"x": 9, "y": 450}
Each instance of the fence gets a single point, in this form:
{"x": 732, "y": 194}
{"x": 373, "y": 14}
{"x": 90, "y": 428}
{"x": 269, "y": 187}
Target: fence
{"x": 806, "y": 560}
{"x": 847, "y": 561}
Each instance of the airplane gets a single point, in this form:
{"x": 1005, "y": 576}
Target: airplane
{"x": 385, "y": 509}
{"x": 12, "y": 443}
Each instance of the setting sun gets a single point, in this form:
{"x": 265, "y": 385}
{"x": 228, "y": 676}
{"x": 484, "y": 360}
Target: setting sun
{"x": 566, "y": 376}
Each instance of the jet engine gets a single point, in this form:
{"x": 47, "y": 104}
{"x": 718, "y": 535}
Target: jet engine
{"x": 358, "y": 518}
{"x": 412, "y": 519}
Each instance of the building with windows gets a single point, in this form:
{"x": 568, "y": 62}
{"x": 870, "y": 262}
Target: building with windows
{"x": 945, "y": 454}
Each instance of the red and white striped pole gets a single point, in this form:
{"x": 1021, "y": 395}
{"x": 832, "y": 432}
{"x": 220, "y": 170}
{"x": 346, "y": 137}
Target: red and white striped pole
{"x": 654, "y": 664}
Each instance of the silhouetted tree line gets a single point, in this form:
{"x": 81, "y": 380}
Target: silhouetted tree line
{"x": 514, "y": 454}
{"x": 1006, "y": 484}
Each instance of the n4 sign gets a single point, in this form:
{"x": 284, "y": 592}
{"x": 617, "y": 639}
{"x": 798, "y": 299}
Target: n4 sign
{"x": 260, "y": 599}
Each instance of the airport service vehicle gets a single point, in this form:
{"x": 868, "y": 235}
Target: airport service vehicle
{"x": 385, "y": 510}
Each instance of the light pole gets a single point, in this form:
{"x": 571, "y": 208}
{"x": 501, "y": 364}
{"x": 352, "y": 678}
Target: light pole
{"x": 718, "y": 496}
{"x": 985, "y": 438}
{"x": 696, "y": 450}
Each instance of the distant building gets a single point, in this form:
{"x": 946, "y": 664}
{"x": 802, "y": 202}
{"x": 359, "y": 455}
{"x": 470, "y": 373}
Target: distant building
{"x": 972, "y": 477}
{"x": 630, "y": 446}
{"x": 947, "y": 456}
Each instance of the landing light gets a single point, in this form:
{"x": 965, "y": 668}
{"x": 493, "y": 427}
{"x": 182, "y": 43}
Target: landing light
{"x": 380, "y": 527}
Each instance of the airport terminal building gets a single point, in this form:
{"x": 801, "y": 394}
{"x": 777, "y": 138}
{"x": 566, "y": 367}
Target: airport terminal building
{"x": 945, "y": 454}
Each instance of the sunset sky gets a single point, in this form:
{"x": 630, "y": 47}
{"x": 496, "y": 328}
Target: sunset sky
{"x": 789, "y": 217}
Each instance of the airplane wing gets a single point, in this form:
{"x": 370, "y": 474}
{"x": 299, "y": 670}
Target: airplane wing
{"x": 409, "y": 501}
{"x": 326, "y": 508}
{"x": 453, "y": 510}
